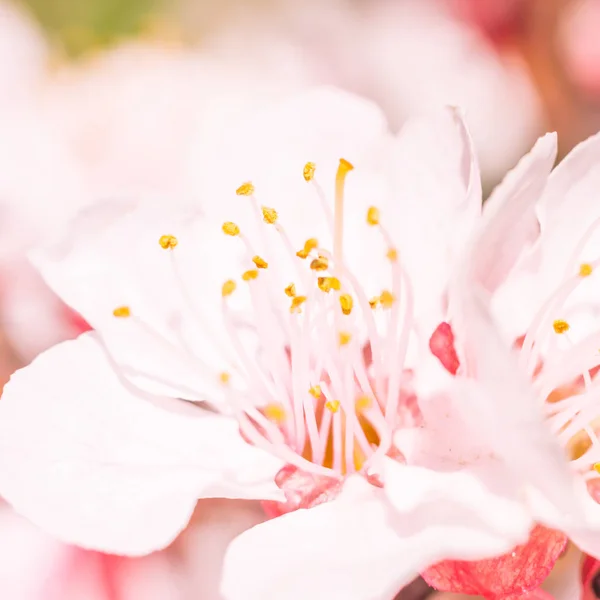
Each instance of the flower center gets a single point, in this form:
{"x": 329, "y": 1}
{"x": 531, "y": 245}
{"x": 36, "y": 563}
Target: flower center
{"x": 563, "y": 370}
{"x": 330, "y": 389}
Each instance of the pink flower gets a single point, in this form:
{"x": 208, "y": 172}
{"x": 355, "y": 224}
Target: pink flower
{"x": 523, "y": 313}
{"x": 263, "y": 311}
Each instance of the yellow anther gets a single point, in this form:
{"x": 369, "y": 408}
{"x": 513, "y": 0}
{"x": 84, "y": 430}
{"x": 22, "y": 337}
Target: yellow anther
{"x": 344, "y": 338}
{"x": 228, "y": 288}
{"x": 597, "y": 467}
{"x": 246, "y": 189}
{"x": 297, "y": 302}
{"x": 319, "y": 264}
{"x": 560, "y": 326}
{"x": 344, "y": 166}
{"x": 332, "y": 405}
{"x": 168, "y": 242}
{"x": 392, "y": 255}
{"x": 260, "y": 262}
{"x": 326, "y": 284}
{"x": 309, "y": 171}
{"x": 315, "y": 391}
{"x": 346, "y": 303}
{"x": 250, "y": 275}
{"x": 224, "y": 377}
{"x": 230, "y": 228}
{"x": 363, "y": 403}
{"x": 585, "y": 269}
{"x": 290, "y": 290}
{"x": 338, "y": 213}
{"x": 122, "y": 312}
{"x": 374, "y": 302}
{"x": 269, "y": 215}
{"x": 275, "y": 412}
{"x": 309, "y": 245}
{"x": 373, "y": 215}
{"x": 386, "y": 299}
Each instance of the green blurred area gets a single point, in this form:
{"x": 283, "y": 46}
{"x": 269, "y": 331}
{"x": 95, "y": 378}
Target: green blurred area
{"x": 78, "y": 26}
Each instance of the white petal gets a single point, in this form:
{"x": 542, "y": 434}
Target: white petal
{"x": 501, "y": 406}
{"x": 468, "y": 520}
{"x": 568, "y": 212}
{"x": 215, "y": 524}
{"x": 28, "y": 556}
{"x": 360, "y": 547}
{"x": 88, "y": 460}
{"x": 110, "y": 257}
{"x": 567, "y": 201}
{"x": 436, "y": 201}
{"x": 509, "y": 221}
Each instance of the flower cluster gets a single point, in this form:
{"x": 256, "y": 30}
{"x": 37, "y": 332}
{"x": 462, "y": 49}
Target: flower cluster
{"x": 338, "y": 328}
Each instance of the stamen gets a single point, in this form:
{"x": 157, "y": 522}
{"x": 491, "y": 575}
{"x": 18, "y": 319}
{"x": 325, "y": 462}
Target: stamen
{"x": 315, "y": 391}
{"x": 319, "y": 264}
{"x": 332, "y": 405}
{"x": 373, "y": 215}
{"x": 250, "y": 275}
{"x": 346, "y": 303}
{"x": 585, "y": 270}
{"x": 269, "y": 215}
{"x": 386, "y": 299}
{"x": 392, "y": 255}
{"x": 228, "y": 288}
{"x": 344, "y": 338}
{"x": 230, "y": 228}
{"x": 326, "y": 284}
{"x": 309, "y": 171}
{"x": 275, "y": 413}
{"x": 224, "y": 377}
{"x": 560, "y": 326}
{"x": 290, "y": 290}
{"x": 338, "y": 238}
{"x": 374, "y": 302}
{"x": 260, "y": 262}
{"x": 363, "y": 403}
{"x": 297, "y": 302}
{"x": 168, "y": 242}
{"x": 122, "y": 312}
{"x": 246, "y": 189}
{"x": 309, "y": 246}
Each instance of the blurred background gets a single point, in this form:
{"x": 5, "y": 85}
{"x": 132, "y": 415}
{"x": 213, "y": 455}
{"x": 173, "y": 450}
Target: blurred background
{"x": 112, "y": 98}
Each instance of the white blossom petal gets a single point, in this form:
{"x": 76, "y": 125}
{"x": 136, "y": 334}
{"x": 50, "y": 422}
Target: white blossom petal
{"x": 96, "y": 464}
{"x": 361, "y": 547}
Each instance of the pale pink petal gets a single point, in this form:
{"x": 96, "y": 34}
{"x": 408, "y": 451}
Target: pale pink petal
{"x": 91, "y": 461}
{"x": 436, "y": 202}
{"x": 28, "y": 557}
{"x": 204, "y": 544}
{"x": 509, "y": 223}
{"x": 570, "y": 234}
{"x": 503, "y": 409}
{"x": 468, "y": 519}
{"x": 567, "y": 208}
{"x": 359, "y": 546}
{"x": 271, "y": 149}
{"x": 110, "y": 257}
